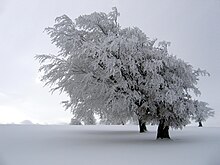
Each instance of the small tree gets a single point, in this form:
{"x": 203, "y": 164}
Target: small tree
{"x": 202, "y": 112}
{"x": 75, "y": 122}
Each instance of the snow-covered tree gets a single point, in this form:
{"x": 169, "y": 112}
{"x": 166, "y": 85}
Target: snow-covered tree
{"x": 202, "y": 112}
{"x": 171, "y": 104}
{"x": 118, "y": 73}
{"x": 100, "y": 66}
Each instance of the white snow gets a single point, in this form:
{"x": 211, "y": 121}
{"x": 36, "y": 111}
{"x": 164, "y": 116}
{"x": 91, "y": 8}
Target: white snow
{"x": 106, "y": 145}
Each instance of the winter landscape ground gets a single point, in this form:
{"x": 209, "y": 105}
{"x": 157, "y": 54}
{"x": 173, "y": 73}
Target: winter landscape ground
{"x": 106, "y": 145}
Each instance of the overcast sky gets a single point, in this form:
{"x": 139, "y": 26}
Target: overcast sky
{"x": 192, "y": 27}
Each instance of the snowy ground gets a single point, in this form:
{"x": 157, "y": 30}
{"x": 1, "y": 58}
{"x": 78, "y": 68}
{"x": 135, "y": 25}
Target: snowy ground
{"x": 106, "y": 145}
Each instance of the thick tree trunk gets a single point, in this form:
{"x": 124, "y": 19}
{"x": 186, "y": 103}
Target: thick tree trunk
{"x": 163, "y": 131}
{"x": 200, "y": 124}
{"x": 142, "y": 126}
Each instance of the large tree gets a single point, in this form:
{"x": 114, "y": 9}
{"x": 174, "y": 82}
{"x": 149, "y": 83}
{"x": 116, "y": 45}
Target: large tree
{"x": 118, "y": 73}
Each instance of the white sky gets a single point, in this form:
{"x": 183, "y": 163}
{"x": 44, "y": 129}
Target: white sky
{"x": 192, "y": 27}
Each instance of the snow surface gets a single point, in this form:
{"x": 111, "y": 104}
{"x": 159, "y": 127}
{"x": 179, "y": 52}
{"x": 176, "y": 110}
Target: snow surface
{"x": 106, "y": 145}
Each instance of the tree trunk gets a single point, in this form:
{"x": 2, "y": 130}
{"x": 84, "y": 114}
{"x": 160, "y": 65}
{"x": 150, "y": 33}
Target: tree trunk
{"x": 200, "y": 124}
{"x": 163, "y": 131}
{"x": 142, "y": 126}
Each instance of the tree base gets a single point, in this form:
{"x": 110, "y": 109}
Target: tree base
{"x": 200, "y": 124}
{"x": 142, "y": 127}
{"x": 163, "y": 131}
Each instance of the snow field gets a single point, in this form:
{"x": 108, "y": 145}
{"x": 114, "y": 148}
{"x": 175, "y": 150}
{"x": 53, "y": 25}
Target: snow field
{"x": 106, "y": 145}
